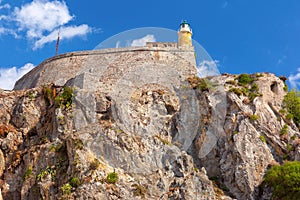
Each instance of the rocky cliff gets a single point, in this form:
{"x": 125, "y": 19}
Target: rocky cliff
{"x": 147, "y": 133}
{"x": 210, "y": 140}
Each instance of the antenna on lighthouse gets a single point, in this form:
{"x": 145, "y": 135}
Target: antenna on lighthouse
{"x": 57, "y": 42}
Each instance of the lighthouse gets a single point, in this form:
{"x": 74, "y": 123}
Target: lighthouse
{"x": 185, "y": 35}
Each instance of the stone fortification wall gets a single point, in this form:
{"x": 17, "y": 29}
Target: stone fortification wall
{"x": 108, "y": 64}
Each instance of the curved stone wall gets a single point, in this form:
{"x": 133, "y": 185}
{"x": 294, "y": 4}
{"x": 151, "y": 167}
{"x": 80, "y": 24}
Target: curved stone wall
{"x": 109, "y": 64}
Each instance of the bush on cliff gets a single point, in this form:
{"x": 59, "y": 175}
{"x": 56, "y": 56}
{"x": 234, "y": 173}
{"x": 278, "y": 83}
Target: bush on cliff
{"x": 66, "y": 98}
{"x": 285, "y": 180}
{"x": 291, "y": 103}
{"x": 244, "y": 79}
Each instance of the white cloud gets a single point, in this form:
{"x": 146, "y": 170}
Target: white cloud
{"x": 3, "y": 17}
{"x": 142, "y": 41}
{"x": 2, "y": 30}
{"x": 8, "y": 32}
{"x": 39, "y": 21}
{"x": 9, "y": 76}
{"x": 5, "y": 6}
{"x": 294, "y": 79}
{"x": 40, "y": 16}
{"x": 65, "y": 33}
{"x": 208, "y": 68}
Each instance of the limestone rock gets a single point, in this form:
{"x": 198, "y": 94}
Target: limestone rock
{"x": 2, "y": 163}
{"x": 164, "y": 138}
{"x": 246, "y": 146}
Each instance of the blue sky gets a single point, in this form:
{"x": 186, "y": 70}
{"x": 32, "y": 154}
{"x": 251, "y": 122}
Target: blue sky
{"x": 242, "y": 36}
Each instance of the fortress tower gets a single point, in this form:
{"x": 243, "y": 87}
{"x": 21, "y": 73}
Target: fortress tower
{"x": 185, "y": 34}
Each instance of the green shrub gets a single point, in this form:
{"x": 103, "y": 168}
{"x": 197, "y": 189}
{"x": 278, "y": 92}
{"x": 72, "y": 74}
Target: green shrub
{"x": 254, "y": 88}
{"x": 112, "y": 177}
{"x": 75, "y": 182}
{"x": 282, "y": 111}
{"x": 237, "y": 91}
{"x": 284, "y": 130}
{"x": 254, "y": 117}
{"x": 289, "y": 147}
{"x": 204, "y": 85}
{"x": 201, "y": 83}
{"x": 285, "y": 180}
{"x": 253, "y": 95}
{"x": 31, "y": 95}
{"x": 289, "y": 116}
{"x": 47, "y": 171}
{"x": 291, "y": 103}
{"x": 66, "y": 189}
{"x": 28, "y": 172}
{"x": 245, "y": 91}
{"x": 66, "y": 98}
{"x": 262, "y": 138}
{"x": 244, "y": 79}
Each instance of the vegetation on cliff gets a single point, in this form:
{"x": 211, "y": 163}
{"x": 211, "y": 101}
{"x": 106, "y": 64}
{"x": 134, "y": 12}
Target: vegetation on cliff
{"x": 70, "y": 143}
{"x": 66, "y": 98}
{"x": 291, "y": 104}
{"x": 244, "y": 84}
{"x": 285, "y": 180}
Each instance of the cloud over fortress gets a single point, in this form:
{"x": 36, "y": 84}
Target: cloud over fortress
{"x": 39, "y": 22}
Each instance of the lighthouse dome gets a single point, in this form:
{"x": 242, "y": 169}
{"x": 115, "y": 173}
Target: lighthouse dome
{"x": 185, "y": 27}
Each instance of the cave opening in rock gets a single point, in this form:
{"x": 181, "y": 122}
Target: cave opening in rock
{"x": 274, "y": 87}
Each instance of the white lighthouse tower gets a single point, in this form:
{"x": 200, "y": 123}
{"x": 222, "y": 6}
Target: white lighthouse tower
{"x": 185, "y": 34}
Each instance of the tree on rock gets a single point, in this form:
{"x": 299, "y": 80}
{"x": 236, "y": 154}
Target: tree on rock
{"x": 285, "y": 180}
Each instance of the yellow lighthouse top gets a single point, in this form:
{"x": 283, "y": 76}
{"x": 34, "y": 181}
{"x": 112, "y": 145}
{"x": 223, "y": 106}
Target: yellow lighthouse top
{"x": 185, "y": 35}
{"x": 185, "y": 27}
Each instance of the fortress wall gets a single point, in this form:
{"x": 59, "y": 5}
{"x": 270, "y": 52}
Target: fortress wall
{"x": 107, "y": 65}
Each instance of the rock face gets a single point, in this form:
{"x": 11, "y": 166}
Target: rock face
{"x": 250, "y": 137}
{"x": 165, "y": 133}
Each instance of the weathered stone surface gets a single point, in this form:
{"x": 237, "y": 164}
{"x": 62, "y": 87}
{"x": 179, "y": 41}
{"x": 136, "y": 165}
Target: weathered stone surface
{"x": 135, "y": 114}
{"x": 108, "y": 63}
{"x": 2, "y": 163}
{"x": 245, "y": 148}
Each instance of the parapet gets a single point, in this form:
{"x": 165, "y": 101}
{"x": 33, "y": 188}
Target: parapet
{"x": 162, "y": 44}
{"x": 109, "y": 64}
